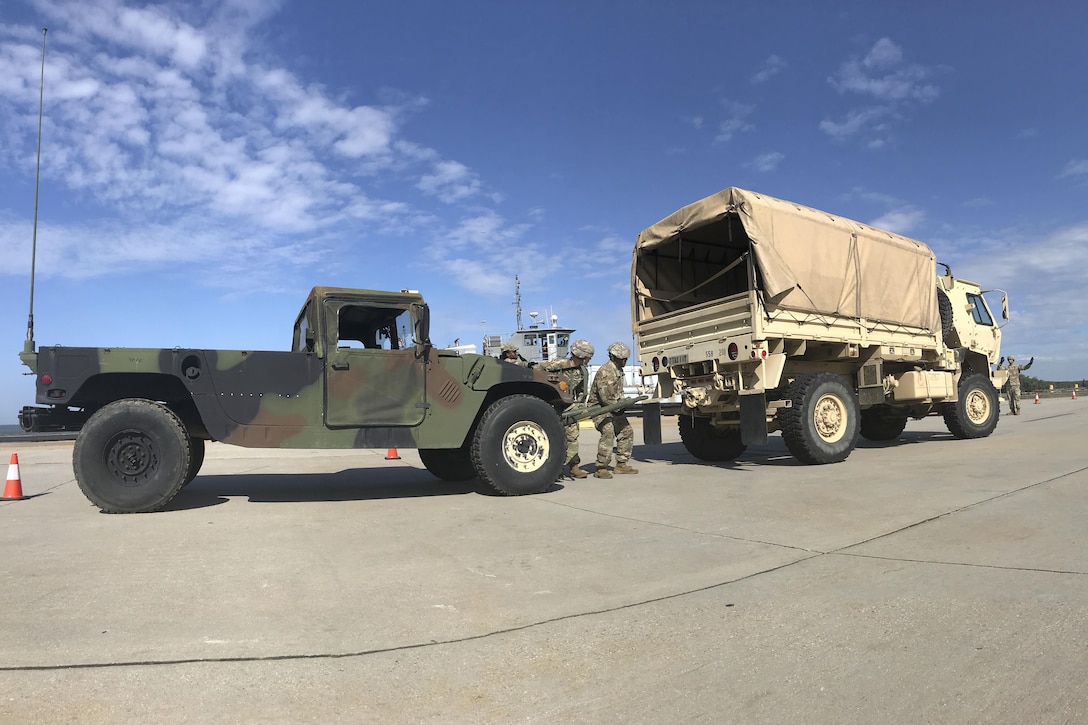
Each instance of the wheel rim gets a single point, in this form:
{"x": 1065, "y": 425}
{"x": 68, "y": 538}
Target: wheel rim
{"x": 977, "y": 406}
{"x": 131, "y": 458}
{"x": 525, "y": 446}
{"x": 829, "y": 418}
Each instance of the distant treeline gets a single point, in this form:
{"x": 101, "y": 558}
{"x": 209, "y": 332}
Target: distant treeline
{"x": 1029, "y": 384}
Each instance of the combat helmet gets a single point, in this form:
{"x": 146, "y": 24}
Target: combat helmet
{"x": 619, "y": 351}
{"x": 582, "y": 349}
{"x": 510, "y": 347}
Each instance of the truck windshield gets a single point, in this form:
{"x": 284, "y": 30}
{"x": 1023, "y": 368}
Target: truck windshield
{"x": 978, "y": 310}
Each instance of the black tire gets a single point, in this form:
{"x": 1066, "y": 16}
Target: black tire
{"x": 944, "y": 306}
{"x": 881, "y": 423}
{"x": 195, "y": 461}
{"x": 975, "y": 414}
{"x": 708, "y": 443}
{"x": 132, "y": 456}
{"x": 821, "y": 426}
{"x": 449, "y": 464}
{"x": 519, "y": 445}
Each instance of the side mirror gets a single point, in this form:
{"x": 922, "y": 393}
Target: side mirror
{"x": 423, "y": 325}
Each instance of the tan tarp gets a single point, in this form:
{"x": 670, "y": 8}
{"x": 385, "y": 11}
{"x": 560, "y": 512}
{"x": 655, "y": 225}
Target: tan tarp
{"x": 809, "y": 260}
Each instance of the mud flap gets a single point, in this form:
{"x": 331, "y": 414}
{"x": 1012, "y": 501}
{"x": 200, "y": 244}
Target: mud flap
{"x": 753, "y": 419}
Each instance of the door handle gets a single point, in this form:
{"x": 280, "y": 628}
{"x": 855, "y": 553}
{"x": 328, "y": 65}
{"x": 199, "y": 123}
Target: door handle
{"x": 341, "y": 366}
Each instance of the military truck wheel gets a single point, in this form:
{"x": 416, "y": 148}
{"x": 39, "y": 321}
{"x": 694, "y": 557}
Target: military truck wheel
{"x": 974, "y": 415}
{"x": 708, "y": 443}
{"x": 452, "y": 464}
{"x": 519, "y": 445}
{"x": 132, "y": 456}
{"x": 881, "y": 423}
{"x": 196, "y": 461}
{"x": 821, "y": 426}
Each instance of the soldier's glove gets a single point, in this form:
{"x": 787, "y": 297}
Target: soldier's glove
{"x": 1002, "y": 361}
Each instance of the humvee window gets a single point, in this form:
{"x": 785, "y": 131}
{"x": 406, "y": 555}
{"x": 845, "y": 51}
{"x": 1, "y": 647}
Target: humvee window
{"x": 374, "y": 328}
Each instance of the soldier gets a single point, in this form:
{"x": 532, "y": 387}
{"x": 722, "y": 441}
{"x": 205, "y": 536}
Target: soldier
{"x": 1014, "y": 381}
{"x": 511, "y": 355}
{"x": 615, "y": 429}
{"x": 581, "y": 352}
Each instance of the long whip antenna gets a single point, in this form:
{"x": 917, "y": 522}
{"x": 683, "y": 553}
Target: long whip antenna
{"x": 29, "y": 347}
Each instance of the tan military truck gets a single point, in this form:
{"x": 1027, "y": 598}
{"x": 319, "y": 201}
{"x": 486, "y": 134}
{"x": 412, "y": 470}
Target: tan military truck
{"x": 764, "y": 315}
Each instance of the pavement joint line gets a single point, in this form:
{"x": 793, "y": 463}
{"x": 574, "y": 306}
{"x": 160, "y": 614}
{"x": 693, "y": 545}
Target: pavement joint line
{"x": 965, "y": 507}
{"x": 843, "y": 551}
{"x": 961, "y": 563}
{"x": 400, "y": 648}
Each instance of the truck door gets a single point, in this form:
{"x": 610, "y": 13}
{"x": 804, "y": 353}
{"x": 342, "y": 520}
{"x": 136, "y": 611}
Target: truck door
{"x": 373, "y": 375}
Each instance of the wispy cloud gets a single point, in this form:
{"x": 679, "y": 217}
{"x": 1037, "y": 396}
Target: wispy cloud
{"x": 736, "y": 121}
{"x": 892, "y": 86}
{"x": 771, "y": 67}
{"x": 766, "y": 162}
{"x": 175, "y": 114}
{"x": 1077, "y": 167}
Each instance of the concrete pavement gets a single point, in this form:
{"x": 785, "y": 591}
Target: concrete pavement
{"x": 926, "y": 580}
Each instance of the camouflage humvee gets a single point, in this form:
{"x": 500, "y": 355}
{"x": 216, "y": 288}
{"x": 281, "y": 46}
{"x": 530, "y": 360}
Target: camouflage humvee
{"x": 361, "y": 373}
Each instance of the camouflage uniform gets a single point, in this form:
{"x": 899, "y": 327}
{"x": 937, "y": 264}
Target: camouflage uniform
{"x": 577, "y": 375}
{"x": 1014, "y": 383}
{"x": 513, "y": 359}
{"x": 615, "y": 429}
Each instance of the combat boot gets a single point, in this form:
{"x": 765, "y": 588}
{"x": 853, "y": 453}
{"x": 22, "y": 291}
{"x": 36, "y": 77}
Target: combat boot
{"x": 602, "y": 472}
{"x": 624, "y": 468}
{"x": 577, "y": 472}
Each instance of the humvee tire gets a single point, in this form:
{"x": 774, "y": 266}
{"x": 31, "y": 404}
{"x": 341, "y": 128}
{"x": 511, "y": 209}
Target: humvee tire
{"x": 132, "y": 456}
{"x": 708, "y": 443}
{"x": 975, "y": 414}
{"x": 449, "y": 464}
{"x": 880, "y": 423}
{"x": 821, "y": 426}
{"x": 196, "y": 461}
{"x": 519, "y": 445}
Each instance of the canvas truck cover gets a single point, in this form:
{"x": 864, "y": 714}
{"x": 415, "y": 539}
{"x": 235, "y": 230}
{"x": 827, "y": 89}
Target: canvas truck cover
{"x": 807, "y": 260}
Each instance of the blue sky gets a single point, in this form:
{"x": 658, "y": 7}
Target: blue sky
{"x": 205, "y": 163}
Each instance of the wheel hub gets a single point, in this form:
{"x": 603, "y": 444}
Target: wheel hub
{"x": 829, "y": 417}
{"x": 525, "y": 446}
{"x": 131, "y": 458}
{"x": 977, "y": 407}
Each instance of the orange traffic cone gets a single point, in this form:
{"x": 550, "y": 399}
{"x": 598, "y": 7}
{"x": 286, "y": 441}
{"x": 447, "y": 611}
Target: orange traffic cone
{"x": 1074, "y": 393}
{"x": 1036, "y": 398}
{"x": 13, "y": 490}
{"x": 391, "y": 455}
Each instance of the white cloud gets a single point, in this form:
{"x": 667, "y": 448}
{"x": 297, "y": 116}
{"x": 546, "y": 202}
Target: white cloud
{"x": 1077, "y": 167}
{"x": 855, "y": 122}
{"x": 879, "y": 74}
{"x": 735, "y": 123}
{"x": 901, "y": 220}
{"x": 450, "y": 181}
{"x": 164, "y": 112}
{"x": 768, "y": 69}
{"x": 766, "y": 162}
{"x": 893, "y": 85}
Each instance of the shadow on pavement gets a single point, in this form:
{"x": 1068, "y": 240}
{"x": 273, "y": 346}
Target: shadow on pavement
{"x": 353, "y": 484}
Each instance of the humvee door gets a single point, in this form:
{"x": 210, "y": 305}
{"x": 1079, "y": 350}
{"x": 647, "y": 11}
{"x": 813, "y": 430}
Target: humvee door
{"x": 374, "y": 371}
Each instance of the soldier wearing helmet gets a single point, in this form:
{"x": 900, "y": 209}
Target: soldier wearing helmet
{"x": 581, "y": 352}
{"x": 616, "y": 430}
{"x": 1014, "y": 381}
{"x": 510, "y": 354}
